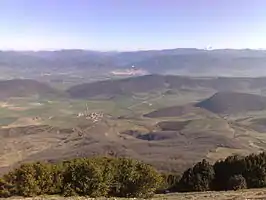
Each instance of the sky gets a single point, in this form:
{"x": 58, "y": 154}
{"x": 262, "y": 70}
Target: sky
{"x": 131, "y": 24}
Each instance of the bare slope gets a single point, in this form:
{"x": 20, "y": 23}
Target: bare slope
{"x": 232, "y": 102}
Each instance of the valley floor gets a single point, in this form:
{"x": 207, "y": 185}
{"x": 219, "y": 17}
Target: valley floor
{"x": 256, "y": 194}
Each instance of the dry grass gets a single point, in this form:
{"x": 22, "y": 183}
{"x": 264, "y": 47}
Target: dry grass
{"x": 255, "y": 194}
{"x": 222, "y": 152}
{"x": 26, "y": 121}
{"x": 230, "y": 195}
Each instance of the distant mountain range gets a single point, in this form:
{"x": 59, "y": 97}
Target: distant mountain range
{"x": 196, "y": 62}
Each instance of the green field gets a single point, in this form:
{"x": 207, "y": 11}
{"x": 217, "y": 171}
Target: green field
{"x": 62, "y": 111}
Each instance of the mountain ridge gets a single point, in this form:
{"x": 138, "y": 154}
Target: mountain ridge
{"x": 183, "y": 61}
{"x": 26, "y": 88}
{"x": 157, "y": 82}
{"x": 233, "y": 102}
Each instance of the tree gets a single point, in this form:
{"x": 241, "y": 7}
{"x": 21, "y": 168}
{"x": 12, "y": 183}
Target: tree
{"x": 236, "y": 182}
{"x": 135, "y": 179}
{"x": 58, "y": 171}
{"x": 5, "y": 189}
{"x": 170, "y": 182}
{"x": 148, "y": 181}
{"x": 84, "y": 177}
{"x": 256, "y": 177}
{"x": 24, "y": 181}
{"x": 198, "y": 178}
{"x": 224, "y": 169}
{"x": 44, "y": 177}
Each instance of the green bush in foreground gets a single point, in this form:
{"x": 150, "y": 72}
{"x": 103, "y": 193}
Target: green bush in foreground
{"x": 4, "y": 189}
{"x": 124, "y": 177}
{"x": 91, "y": 177}
{"x": 84, "y": 177}
{"x": 24, "y": 180}
{"x": 135, "y": 179}
{"x": 170, "y": 183}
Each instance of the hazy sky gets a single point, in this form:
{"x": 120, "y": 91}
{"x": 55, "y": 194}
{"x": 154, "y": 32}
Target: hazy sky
{"x": 132, "y": 24}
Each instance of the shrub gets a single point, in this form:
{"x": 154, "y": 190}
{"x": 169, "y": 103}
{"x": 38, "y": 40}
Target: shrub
{"x": 68, "y": 190}
{"x": 255, "y": 175}
{"x": 236, "y": 182}
{"x": 44, "y": 177}
{"x": 252, "y": 168}
{"x": 170, "y": 183}
{"x": 135, "y": 179}
{"x": 32, "y": 180}
{"x": 84, "y": 177}
{"x": 89, "y": 177}
{"x": 108, "y": 167}
{"x": 57, "y": 177}
{"x": 232, "y": 165}
{"x": 24, "y": 181}
{"x": 5, "y": 189}
{"x": 148, "y": 181}
{"x": 198, "y": 178}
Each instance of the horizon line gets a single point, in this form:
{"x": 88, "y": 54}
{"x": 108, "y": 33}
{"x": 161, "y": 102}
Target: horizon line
{"x": 120, "y": 51}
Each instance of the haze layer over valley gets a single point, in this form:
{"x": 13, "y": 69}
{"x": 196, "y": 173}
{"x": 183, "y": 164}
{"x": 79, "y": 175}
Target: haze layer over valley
{"x": 65, "y": 68}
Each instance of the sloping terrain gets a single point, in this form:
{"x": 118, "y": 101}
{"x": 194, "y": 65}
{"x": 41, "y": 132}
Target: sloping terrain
{"x": 179, "y": 111}
{"x": 26, "y": 88}
{"x": 151, "y": 83}
{"x": 232, "y": 102}
{"x": 258, "y": 124}
{"x": 167, "y": 148}
{"x": 250, "y": 194}
{"x": 172, "y": 125}
{"x": 111, "y": 88}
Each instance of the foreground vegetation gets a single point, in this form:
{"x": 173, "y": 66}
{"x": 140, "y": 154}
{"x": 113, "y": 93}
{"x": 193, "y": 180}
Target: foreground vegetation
{"x": 94, "y": 177}
{"x": 123, "y": 177}
{"x": 233, "y": 173}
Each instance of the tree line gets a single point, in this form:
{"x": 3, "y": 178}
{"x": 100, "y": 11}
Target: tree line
{"x": 234, "y": 172}
{"x": 124, "y": 177}
{"x": 93, "y": 177}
